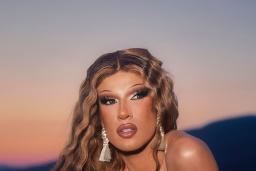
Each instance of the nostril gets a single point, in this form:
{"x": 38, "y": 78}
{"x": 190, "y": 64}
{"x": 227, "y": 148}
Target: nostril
{"x": 123, "y": 115}
{"x": 123, "y": 111}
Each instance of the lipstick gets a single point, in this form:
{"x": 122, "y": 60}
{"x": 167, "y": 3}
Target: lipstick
{"x": 126, "y": 130}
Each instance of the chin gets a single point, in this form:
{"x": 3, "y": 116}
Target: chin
{"x": 131, "y": 147}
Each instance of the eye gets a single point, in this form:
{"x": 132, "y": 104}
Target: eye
{"x": 107, "y": 100}
{"x": 141, "y": 94}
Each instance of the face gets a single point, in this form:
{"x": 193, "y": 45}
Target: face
{"x": 125, "y": 106}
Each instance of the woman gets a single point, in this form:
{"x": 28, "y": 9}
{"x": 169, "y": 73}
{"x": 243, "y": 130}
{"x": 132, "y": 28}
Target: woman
{"x": 125, "y": 119}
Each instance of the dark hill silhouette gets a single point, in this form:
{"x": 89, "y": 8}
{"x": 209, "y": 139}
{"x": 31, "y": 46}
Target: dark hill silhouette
{"x": 232, "y": 141}
{"x": 41, "y": 167}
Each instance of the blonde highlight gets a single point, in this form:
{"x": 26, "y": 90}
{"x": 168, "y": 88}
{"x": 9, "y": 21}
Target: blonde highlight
{"x": 83, "y": 148}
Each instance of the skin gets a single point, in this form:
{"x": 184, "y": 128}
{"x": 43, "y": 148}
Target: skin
{"x": 187, "y": 153}
{"x": 126, "y": 104}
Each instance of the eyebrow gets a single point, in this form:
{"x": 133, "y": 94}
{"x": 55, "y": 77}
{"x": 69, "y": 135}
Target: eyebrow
{"x": 129, "y": 87}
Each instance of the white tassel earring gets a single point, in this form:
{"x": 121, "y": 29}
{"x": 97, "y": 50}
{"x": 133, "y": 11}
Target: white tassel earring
{"x": 161, "y": 130}
{"x": 105, "y": 155}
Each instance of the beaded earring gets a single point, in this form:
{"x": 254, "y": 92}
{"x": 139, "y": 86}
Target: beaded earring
{"x": 105, "y": 155}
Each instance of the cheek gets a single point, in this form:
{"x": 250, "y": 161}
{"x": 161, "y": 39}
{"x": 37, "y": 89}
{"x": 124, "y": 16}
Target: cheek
{"x": 108, "y": 115}
{"x": 144, "y": 115}
{"x": 143, "y": 109}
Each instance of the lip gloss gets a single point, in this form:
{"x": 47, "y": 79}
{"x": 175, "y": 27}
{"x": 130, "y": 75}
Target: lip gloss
{"x": 127, "y": 130}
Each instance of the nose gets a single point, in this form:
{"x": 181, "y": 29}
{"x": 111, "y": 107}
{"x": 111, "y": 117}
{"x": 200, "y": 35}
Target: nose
{"x": 124, "y": 111}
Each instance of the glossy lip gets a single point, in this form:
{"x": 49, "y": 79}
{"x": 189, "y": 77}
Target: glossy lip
{"x": 126, "y": 130}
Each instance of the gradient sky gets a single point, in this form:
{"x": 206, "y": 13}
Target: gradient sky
{"x": 46, "y": 47}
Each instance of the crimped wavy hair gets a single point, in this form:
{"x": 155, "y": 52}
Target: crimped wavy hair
{"x": 81, "y": 153}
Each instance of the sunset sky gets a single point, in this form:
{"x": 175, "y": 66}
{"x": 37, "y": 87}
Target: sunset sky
{"x": 209, "y": 48}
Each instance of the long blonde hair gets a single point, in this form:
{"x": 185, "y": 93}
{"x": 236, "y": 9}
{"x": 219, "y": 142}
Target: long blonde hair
{"x": 83, "y": 148}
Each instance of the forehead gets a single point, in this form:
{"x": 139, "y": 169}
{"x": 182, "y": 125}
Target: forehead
{"x": 121, "y": 79}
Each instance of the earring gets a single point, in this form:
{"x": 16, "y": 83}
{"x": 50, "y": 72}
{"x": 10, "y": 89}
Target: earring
{"x": 105, "y": 155}
{"x": 161, "y": 130}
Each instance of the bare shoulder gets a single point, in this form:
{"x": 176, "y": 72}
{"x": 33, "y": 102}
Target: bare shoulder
{"x": 182, "y": 141}
{"x": 186, "y": 153}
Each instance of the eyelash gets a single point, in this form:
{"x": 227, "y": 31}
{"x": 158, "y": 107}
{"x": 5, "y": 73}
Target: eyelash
{"x": 106, "y": 100}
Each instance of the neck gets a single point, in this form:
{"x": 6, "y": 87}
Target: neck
{"x": 142, "y": 159}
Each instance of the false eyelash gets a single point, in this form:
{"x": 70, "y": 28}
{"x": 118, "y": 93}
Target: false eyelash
{"x": 142, "y": 92}
{"x": 105, "y": 99}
